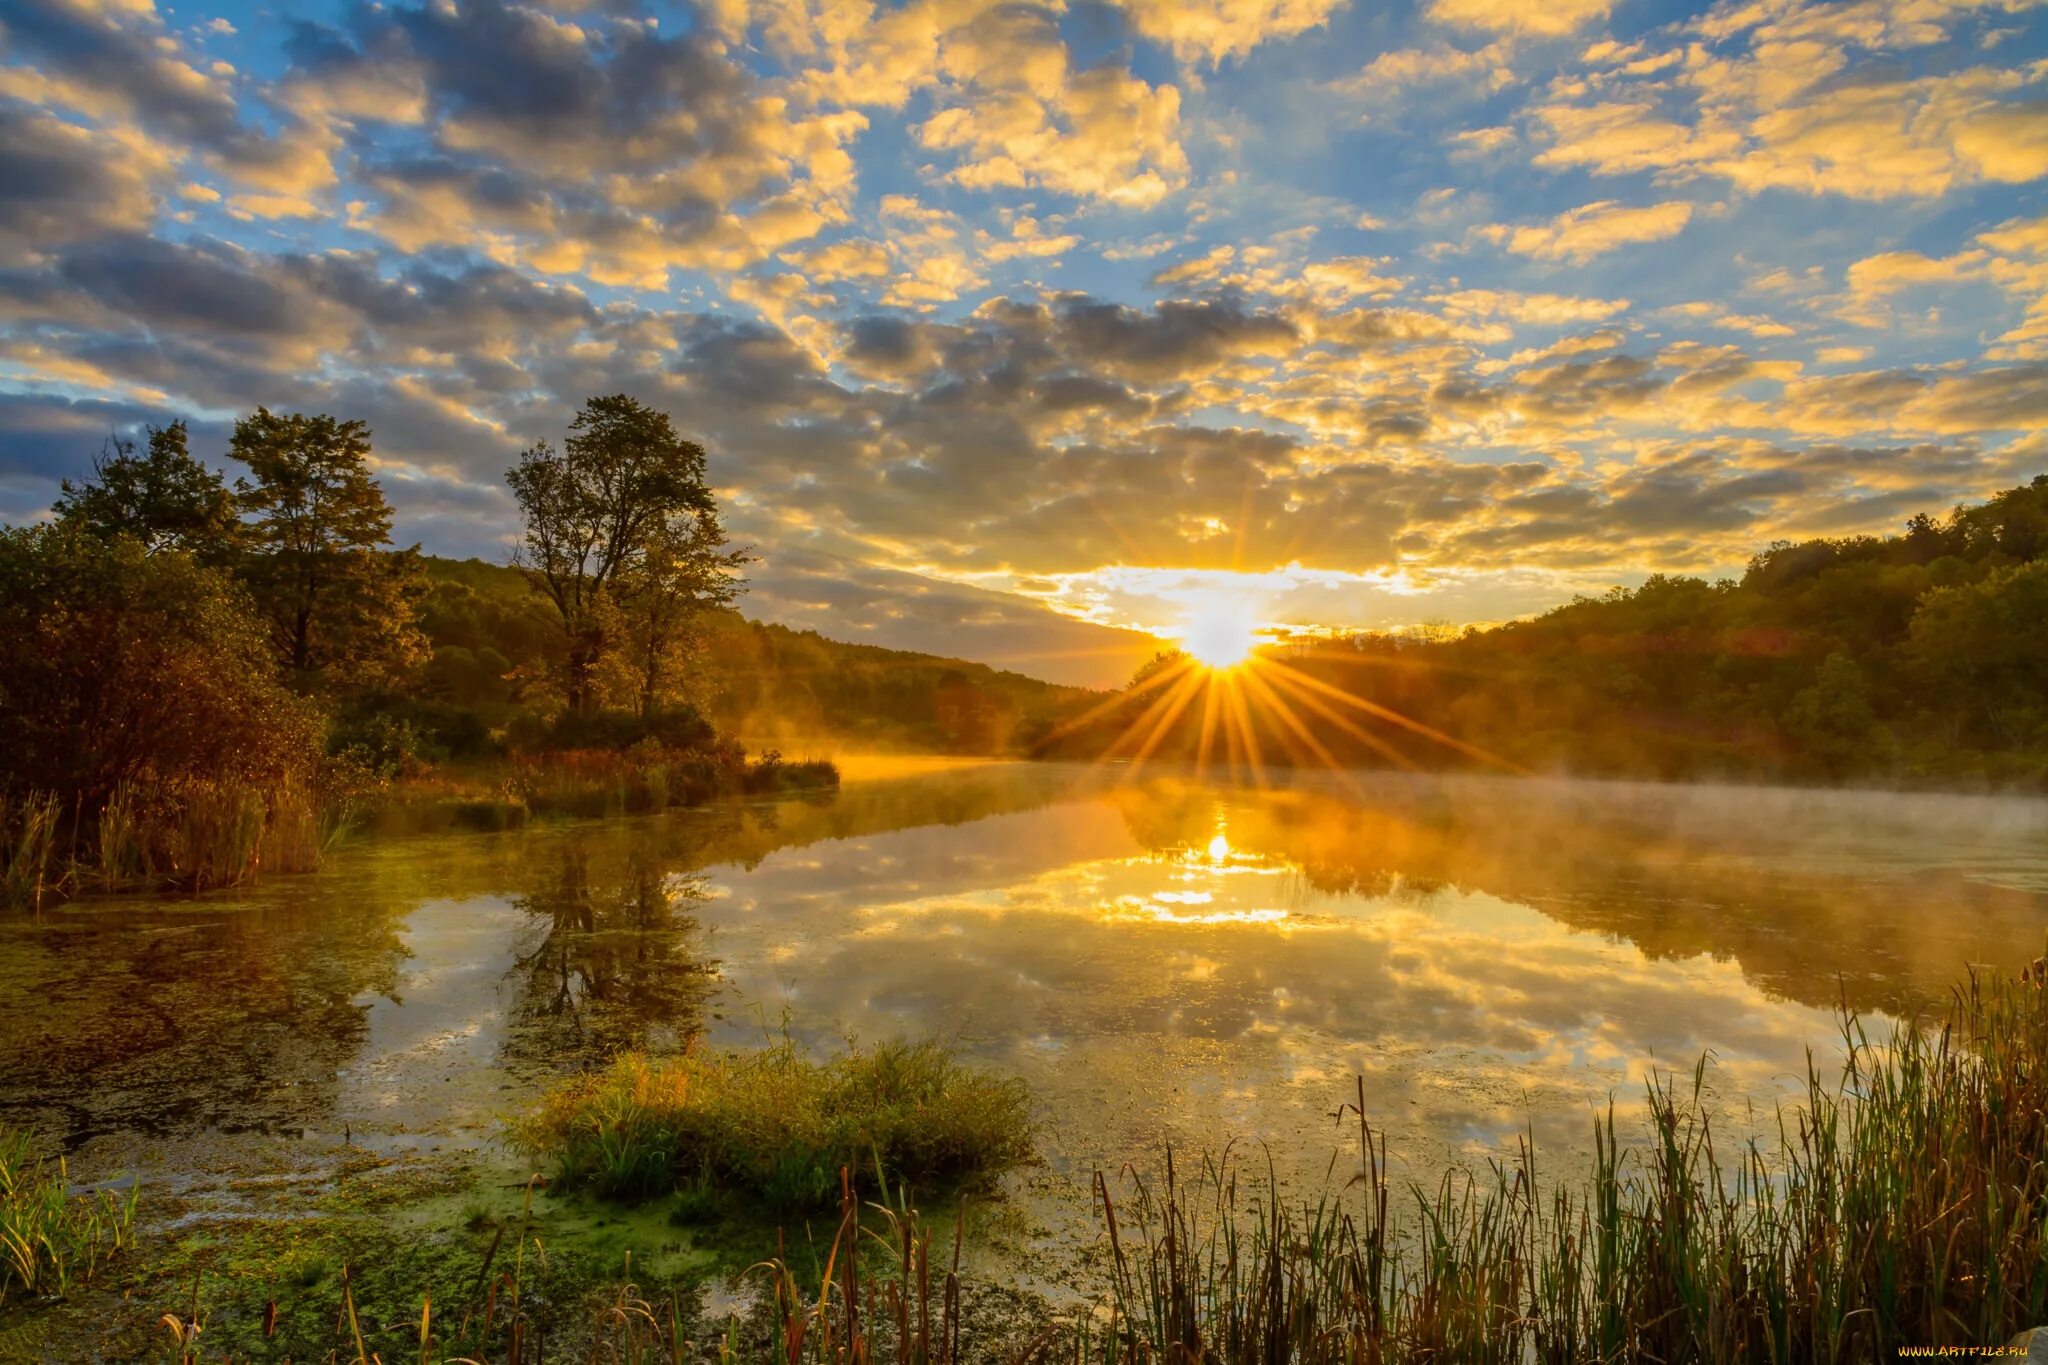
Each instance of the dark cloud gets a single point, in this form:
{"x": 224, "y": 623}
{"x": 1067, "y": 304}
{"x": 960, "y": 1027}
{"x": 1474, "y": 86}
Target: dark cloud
{"x": 64, "y": 185}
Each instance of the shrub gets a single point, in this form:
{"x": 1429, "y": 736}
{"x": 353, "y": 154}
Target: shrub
{"x": 778, "y": 1126}
{"x": 125, "y": 665}
{"x": 140, "y": 704}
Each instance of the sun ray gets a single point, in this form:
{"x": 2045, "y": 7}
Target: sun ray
{"x": 1160, "y": 709}
{"x": 1180, "y": 697}
{"x": 1210, "y": 703}
{"x": 1342, "y": 722}
{"x": 1293, "y": 722}
{"x": 1240, "y": 718}
{"x": 1112, "y": 702}
{"x": 1393, "y": 717}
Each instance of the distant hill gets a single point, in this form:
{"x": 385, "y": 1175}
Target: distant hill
{"x": 1920, "y": 657}
{"x": 768, "y": 684}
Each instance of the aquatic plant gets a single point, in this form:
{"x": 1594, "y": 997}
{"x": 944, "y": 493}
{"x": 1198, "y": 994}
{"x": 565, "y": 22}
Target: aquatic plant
{"x": 28, "y": 840}
{"x": 776, "y": 1125}
{"x": 51, "y": 1238}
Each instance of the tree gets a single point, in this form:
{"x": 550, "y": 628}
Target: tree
{"x": 592, "y": 513}
{"x": 131, "y": 666}
{"x": 1834, "y": 721}
{"x": 165, "y": 498}
{"x": 340, "y": 608}
{"x": 683, "y": 571}
{"x": 1983, "y": 652}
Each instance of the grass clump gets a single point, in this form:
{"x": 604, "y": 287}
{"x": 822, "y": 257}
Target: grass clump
{"x": 49, "y": 1237}
{"x": 778, "y": 1126}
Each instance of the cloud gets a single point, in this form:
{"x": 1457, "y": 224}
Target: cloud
{"x": 1105, "y": 135}
{"x": 1580, "y": 234}
{"x": 1536, "y": 18}
{"x": 66, "y": 184}
{"x": 1213, "y": 30}
{"x": 1778, "y": 103}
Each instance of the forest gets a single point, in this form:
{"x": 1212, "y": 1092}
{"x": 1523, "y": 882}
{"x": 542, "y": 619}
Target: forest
{"x": 1919, "y": 658}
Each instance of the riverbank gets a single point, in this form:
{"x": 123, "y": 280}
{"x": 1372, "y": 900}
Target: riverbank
{"x": 200, "y": 839}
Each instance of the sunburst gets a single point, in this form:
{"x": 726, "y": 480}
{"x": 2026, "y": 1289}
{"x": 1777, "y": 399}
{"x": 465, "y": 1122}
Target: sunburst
{"x": 1240, "y": 681}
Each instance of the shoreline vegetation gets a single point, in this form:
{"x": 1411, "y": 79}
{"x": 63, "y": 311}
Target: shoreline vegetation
{"x": 1902, "y": 1204}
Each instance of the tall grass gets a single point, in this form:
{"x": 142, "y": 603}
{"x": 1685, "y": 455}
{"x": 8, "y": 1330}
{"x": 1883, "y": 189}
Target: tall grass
{"x": 28, "y": 843}
{"x": 49, "y": 1237}
{"x": 191, "y": 836}
{"x": 202, "y": 835}
{"x": 1905, "y": 1204}
{"x": 776, "y": 1126}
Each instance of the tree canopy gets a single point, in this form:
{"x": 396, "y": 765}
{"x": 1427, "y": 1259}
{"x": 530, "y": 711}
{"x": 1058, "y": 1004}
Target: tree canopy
{"x": 619, "y": 516}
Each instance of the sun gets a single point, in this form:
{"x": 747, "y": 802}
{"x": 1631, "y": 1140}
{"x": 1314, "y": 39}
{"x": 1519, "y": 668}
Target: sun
{"x": 1218, "y": 632}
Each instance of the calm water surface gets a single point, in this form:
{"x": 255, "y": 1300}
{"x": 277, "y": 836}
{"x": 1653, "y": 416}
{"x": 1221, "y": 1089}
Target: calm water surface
{"x": 1164, "y": 961}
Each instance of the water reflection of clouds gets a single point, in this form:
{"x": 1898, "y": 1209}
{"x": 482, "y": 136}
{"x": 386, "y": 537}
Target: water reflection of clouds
{"x": 1193, "y": 997}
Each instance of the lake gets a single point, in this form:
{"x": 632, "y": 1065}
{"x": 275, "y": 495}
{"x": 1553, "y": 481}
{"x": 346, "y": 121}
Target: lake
{"x": 1163, "y": 960}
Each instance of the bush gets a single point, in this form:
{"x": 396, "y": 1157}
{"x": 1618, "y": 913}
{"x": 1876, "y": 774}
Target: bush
{"x": 777, "y": 1126}
{"x": 140, "y": 703}
{"x": 125, "y": 665}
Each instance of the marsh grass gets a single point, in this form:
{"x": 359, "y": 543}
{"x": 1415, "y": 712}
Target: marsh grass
{"x": 51, "y": 1239}
{"x": 1904, "y": 1204}
{"x": 28, "y": 843}
{"x": 778, "y": 1127}
{"x": 190, "y": 836}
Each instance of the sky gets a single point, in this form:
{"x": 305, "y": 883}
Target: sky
{"x": 1013, "y": 328}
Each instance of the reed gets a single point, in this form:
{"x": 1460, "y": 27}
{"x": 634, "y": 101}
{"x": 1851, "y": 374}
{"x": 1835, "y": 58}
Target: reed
{"x": 1905, "y": 1204}
{"x": 200, "y": 835}
{"x": 28, "y": 845}
{"x": 50, "y": 1238}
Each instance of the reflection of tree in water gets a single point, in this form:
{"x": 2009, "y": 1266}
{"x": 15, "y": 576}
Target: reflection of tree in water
{"x": 612, "y": 960}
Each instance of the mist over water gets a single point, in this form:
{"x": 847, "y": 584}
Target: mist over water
{"x": 1164, "y": 960}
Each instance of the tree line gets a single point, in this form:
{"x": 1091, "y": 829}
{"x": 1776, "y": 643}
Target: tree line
{"x": 179, "y": 638}
{"x": 1918, "y": 657}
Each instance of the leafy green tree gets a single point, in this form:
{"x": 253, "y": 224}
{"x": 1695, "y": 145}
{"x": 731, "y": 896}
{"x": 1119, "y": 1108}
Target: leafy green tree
{"x": 341, "y": 609}
{"x": 1982, "y": 649}
{"x": 1834, "y": 721}
{"x": 164, "y": 498}
{"x": 593, "y": 511}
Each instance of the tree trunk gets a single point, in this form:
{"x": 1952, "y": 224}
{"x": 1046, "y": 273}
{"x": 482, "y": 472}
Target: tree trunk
{"x": 584, "y": 651}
